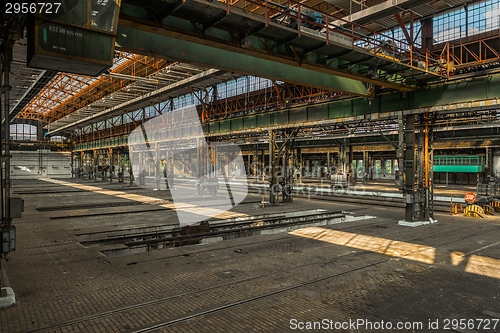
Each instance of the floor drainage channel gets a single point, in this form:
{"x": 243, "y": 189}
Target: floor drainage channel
{"x": 218, "y": 230}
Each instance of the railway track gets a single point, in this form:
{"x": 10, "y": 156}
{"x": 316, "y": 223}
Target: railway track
{"x": 448, "y": 237}
{"x": 175, "y": 236}
{"x": 439, "y": 206}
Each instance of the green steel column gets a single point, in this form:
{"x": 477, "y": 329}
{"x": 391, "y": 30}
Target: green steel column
{"x": 142, "y": 39}
{"x": 488, "y": 163}
{"x": 409, "y": 168}
{"x": 421, "y": 173}
{"x": 427, "y": 180}
{"x": 400, "y": 181}
{"x": 6, "y": 69}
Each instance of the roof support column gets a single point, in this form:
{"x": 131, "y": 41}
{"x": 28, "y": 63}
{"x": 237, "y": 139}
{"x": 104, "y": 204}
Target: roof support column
{"x": 427, "y": 35}
{"x": 409, "y": 169}
{"x": 272, "y": 167}
{"x": 6, "y": 68}
{"x": 417, "y": 172}
{"x": 110, "y": 165}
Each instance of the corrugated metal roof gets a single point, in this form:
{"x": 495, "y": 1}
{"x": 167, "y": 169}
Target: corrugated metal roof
{"x": 348, "y": 5}
{"x": 424, "y": 10}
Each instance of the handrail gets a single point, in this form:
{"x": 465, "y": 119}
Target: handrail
{"x": 361, "y": 37}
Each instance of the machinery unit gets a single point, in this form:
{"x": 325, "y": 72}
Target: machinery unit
{"x": 338, "y": 181}
{"x": 207, "y": 186}
{"x": 7, "y": 241}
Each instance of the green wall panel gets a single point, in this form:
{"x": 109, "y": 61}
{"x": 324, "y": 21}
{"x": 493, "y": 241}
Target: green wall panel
{"x": 340, "y": 109}
{"x": 317, "y": 112}
{"x": 236, "y": 124}
{"x": 214, "y": 127}
{"x": 225, "y": 126}
{"x": 361, "y": 106}
{"x": 298, "y": 115}
{"x": 393, "y": 102}
{"x": 250, "y": 122}
{"x": 264, "y": 120}
{"x": 281, "y": 117}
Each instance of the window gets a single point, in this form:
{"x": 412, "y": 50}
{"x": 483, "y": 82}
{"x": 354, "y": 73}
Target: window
{"x": 450, "y": 26}
{"x": 23, "y": 132}
{"x": 467, "y": 21}
{"x": 483, "y": 16}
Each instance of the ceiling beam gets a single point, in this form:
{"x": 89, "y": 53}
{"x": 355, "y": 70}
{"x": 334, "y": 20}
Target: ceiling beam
{"x": 384, "y": 9}
{"x": 109, "y": 112}
{"x": 143, "y": 39}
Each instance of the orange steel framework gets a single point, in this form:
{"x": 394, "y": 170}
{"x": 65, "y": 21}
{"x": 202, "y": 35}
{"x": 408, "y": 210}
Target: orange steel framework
{"x": 69, "y": 92}
{"x": 320, "y": 5}
{"x": 398, "y": 51}
{"x": 282, "y": 95}
{"x": 286, "y": 95}
{"x": 465, "y": 54}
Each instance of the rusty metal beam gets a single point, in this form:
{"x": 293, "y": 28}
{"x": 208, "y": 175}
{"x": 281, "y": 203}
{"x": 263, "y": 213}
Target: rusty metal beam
{"x": 402, "y": 25}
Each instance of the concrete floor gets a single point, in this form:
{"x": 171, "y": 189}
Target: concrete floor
{"x": 346, "y": 276}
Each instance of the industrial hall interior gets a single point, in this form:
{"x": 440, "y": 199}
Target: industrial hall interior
{"x": 250, "y": 166}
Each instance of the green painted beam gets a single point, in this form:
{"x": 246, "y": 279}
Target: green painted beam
{"x": 134, "y": 38}
{"x": 463, "y": 96}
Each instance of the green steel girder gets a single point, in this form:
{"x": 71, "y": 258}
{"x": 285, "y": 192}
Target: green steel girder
{"x": 463, "y": 142}
{"x": 134, "y": 38}
{"x": 310, "y": 54}
{"x": 477, "y": 93}
{"x": 463, "y": 96}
